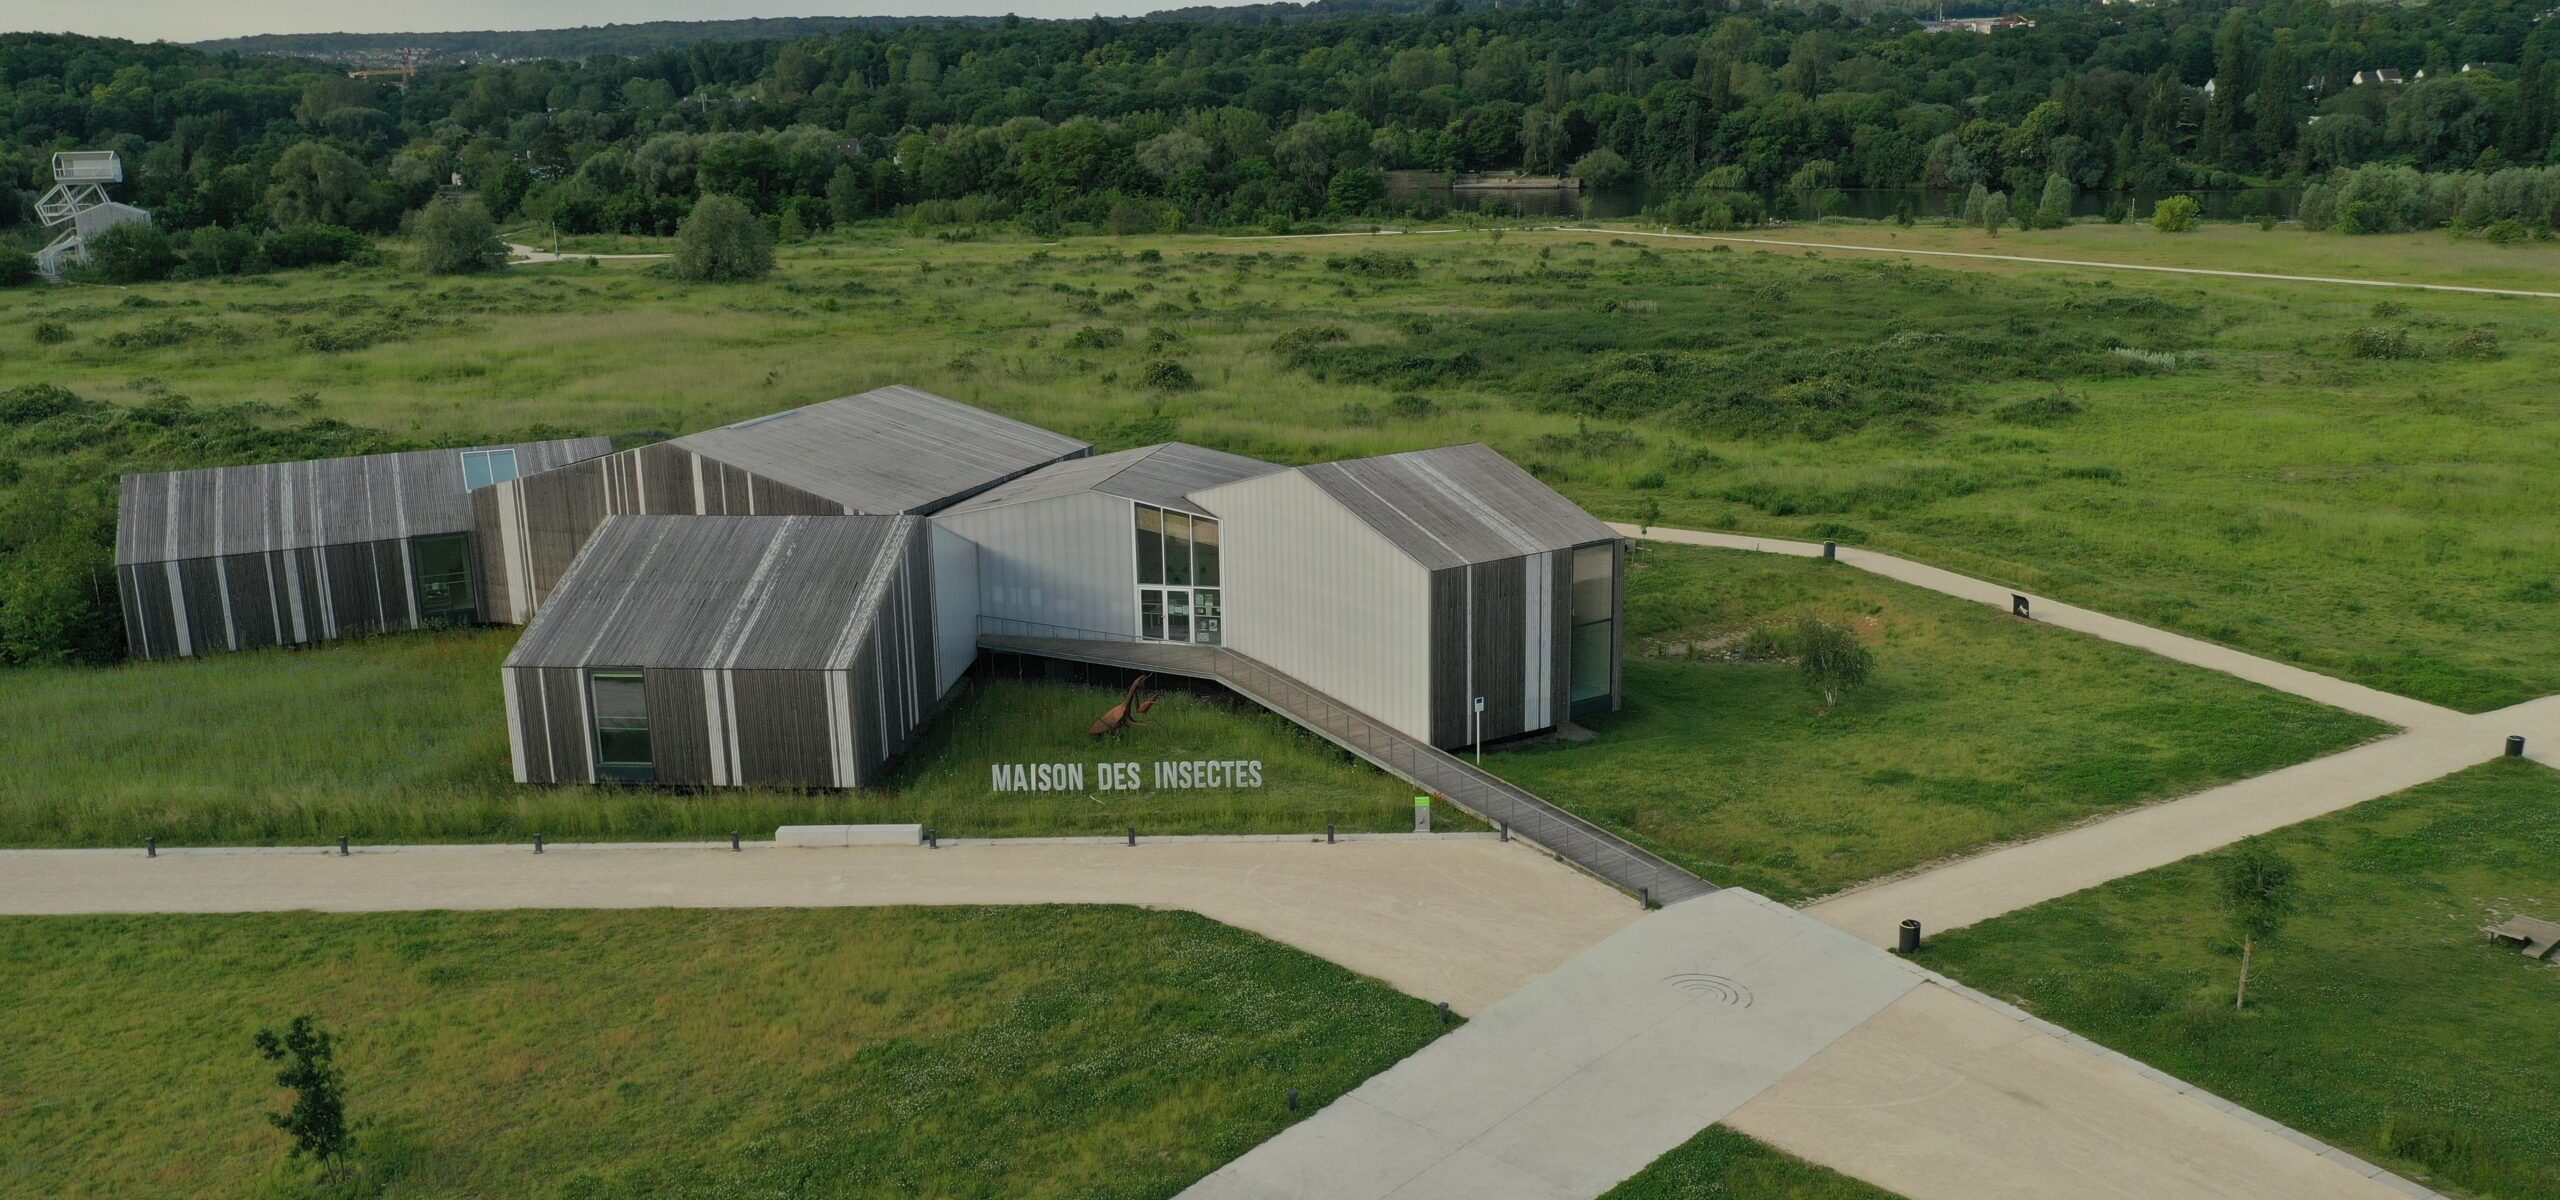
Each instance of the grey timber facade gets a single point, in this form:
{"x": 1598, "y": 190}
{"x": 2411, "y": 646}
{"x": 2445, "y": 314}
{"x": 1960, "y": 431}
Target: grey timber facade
{"x": 237, "y": 558}
{"x": 792, "y": 651}
{"x": 895, "y": 450}
{"x": 1412, "y": 585}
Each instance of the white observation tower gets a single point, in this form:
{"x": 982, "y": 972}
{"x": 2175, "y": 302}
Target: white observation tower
{"x": 79, "y": 200}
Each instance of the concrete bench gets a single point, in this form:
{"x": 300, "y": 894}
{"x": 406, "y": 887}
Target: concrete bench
{"x": 849, "y": 835}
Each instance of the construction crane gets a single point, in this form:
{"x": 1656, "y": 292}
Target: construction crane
{"x": 78, "y": 205}
{"x": 407, "y": 70}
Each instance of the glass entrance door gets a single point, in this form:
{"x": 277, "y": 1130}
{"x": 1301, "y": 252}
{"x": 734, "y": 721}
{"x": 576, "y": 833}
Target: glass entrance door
{"x": 441, "y": 563}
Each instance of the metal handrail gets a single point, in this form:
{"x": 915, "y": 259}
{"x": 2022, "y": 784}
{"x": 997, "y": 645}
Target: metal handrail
{"x": 1488, "y": 796}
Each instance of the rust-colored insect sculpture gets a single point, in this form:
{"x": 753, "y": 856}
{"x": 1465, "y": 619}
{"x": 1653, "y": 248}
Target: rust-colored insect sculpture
{"x": 1125, "y": 714}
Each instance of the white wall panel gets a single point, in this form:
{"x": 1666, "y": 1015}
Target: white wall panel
{"x": 1318, "y": 594}
{"x": 1069, "y": 562}
{"x": 955, "y": 606}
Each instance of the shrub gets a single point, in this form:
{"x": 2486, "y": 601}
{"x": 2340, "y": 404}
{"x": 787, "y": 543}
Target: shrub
{"x": 17, "y": 267}
{"x": 1603, "y": 168}
{"x": 2053, "y": 408}
{"x": 457, "y": 238}
{"x": 1298, "y": 346}
{"x": 214, "y": 250}
{"x": 1995, "y": 213}
{"x": 2176, "y": 214}
{"x": 2473, "y": 343}
{"x": 1374, "y": 264}
{"x": 52, "y": 333}
{"x": 2375, "y": 341}
{"x": 722, "y": 240}
{"x": 1166, "y": 375}
{"x": 1096, "y": 337}
{"x": 310, "y": 245}
{"x": 134, "y": 252}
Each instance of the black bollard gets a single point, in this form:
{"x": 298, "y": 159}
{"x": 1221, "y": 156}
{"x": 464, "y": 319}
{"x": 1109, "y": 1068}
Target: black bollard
{"x": 1133, "y": 835}
{"x": 733, "y": 841}
{"x": 1910, "y": 943}
{"x": 1506, "y": 831}
{"x": 932, "y": 839}
{"x": 1644, "y": 897}
{"x": 1830, "y": 550}
{"x": 537, "y": 843}
{"x": 1328, "y": 833}
{"x": 342, "y": 845}
{"x": 151, "y": 847}
{"x": 1444, "y": 1012}
{"x": 1293, "y": 1099}
{"x": 2515, "y": 745}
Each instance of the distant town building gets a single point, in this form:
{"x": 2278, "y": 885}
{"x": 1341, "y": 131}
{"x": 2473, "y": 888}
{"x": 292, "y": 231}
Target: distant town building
{"x": 1977, "y": 24}
{"x": 2380, "y": 75}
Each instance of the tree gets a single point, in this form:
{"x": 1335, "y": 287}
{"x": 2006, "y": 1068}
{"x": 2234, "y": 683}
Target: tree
{"x": 722, "y": 240}
{"x": 2259, "y": 889}
{"x": 316, "y": 182}
{"x": 2175, "y": 214}
{"x": 457, "y": 238}
{"x": 2054, "y": 210}
{"x": 17, "y": 267}
{"x": 214, "y": 250}
{"x": 1603, "y": 168}
{"x": 1995, "y": 213}
{"x": 134, "y": 252}
{"x": 317, "y": 1122}
{"x": 1830, "y": 658}
{"x": 1973, "y": 202}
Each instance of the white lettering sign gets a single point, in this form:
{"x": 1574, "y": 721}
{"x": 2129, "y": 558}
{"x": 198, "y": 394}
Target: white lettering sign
{"x": 1199, "y": 774}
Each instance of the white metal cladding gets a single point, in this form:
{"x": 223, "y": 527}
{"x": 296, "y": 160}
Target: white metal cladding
{"x": 1315, "y": 592}
{"x": 1069, "y": 562}
{"x": 955, "y": 606}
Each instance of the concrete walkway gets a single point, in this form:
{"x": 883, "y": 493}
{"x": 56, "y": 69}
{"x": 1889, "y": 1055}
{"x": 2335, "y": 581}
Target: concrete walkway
{"x": 2283, "y": 677}
{"x": 2347, "y": 281}
{"x": 1731, "y": 1007}
{"x": 1463, "y": 919}
{"x": 518, "y": 252}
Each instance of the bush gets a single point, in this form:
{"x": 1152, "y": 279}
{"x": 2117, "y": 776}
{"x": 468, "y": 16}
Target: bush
{"x": 722, "y": 240}
{"x": 2052, "y": 408}
{"x": 2176, "y": 214}
{"x": 52, "y": 333}
{"x": 214, "y": 250}
{"x": 1374, "y": 264}
{"x": 2473, "y": 343}
{"x": 134, "y": 252}
{"x": 457, "y": 238}
{"x": 2374, "y": 341}
{"x": 1603, "y": 168}
{"x": 1096, "y": 337}
{"x": 17, "y": 267}
{"x": 1166, "y": 375}
{"x": 310, "y": 245}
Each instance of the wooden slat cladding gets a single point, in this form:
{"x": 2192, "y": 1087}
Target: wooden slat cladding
{"x": 278, "y": 598}
{"x": 1502, "y": 630}
{"x": 773, "y": 651}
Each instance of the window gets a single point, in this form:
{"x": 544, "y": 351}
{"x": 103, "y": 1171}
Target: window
{"x": 480, "y": 468}
{"x": 441, "y": 563}
{"x": 1177, "y": 581}
{"x": 1595, "y": 570}
{"x": 1150, "y": 544}
{"x": 621, "y": 707}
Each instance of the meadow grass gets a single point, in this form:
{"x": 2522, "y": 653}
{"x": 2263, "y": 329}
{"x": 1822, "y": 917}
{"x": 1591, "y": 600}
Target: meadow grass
{"x": 2380, "y": 1020}
{"x": 403, "y": 738}
{"x": 1720, "y": 1164}
{"x": 2208, "y": 455}
{"x": 1976, "y": 728}
{"x": 1091, "y": 1052}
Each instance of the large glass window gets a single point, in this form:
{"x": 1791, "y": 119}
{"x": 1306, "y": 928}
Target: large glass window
{"x": 480, "y": 468}
{"x": 621, "y": 707}
{"x": 1595, "y": 571}
{"x": 1177, "y": 577}
{"x": 442, "y": 564}
{"x": 1150, "y": 544}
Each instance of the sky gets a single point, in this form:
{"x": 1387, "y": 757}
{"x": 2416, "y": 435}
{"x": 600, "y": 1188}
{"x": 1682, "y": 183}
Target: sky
{"x": 198, "y": 20}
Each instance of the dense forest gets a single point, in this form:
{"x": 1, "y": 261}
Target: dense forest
{"x": 1179, "y": 120}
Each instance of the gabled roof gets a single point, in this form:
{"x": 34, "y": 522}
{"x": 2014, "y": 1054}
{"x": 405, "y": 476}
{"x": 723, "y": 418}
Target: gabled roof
{"x": 214, "y": 511}
{"x": 893, "y": 450}
{"x": 1164, "y": 475}
{"x": 1457, "y": 505}
{"x": 785, "y": 593}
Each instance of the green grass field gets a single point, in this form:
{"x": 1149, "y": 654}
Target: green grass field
{"x": 2212, "y": 455}
{"x": 1720, "y": 1164}
{"x": 1977, "y": 728}
{"x": 946, "y": 1052}
{"x": 2381, "y": 1021}
{"x": 403, "y": 739}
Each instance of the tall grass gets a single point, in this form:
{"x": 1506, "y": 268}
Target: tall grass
{"x": 2387, "y": 520}
{"x": 401, "y": 738}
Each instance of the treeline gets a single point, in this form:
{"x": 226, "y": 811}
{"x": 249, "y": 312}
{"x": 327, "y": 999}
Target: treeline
{"x": 1145, "y": 124}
